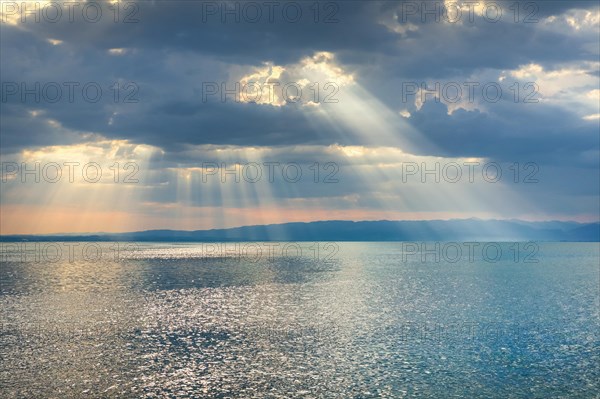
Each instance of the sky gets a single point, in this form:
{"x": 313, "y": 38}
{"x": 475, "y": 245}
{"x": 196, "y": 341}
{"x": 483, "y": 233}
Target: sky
{"x": 135, "y": 115}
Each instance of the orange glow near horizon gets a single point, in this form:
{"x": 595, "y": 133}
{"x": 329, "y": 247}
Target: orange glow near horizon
{"x": 21, "y": 219}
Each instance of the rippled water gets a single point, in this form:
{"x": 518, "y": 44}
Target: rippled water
{"x": 347, "y": 320}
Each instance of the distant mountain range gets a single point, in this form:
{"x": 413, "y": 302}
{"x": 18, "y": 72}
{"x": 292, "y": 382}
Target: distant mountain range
{"x": 383, "y": 230}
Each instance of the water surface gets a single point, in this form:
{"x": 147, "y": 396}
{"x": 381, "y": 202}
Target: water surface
{"x": 345, "y": 320}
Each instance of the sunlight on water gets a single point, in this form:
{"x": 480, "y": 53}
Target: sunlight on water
{"x": 330, "y": 320}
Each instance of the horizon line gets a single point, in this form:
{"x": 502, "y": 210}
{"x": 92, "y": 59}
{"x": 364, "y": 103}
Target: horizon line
{"x": 306, "y": 222}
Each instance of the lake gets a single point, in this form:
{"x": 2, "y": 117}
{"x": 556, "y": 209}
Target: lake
{"x": 300, "y": 320}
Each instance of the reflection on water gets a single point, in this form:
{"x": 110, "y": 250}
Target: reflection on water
{"x": 331, "y": 320}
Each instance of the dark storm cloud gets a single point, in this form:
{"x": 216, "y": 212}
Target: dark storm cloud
{"x": 547, "y": 135}
{"x": 345, "y": 27}
{"x": 281, "y": 34}
{"x": 175, "y": 46}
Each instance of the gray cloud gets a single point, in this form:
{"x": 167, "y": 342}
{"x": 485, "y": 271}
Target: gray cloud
{"x": 175, "y": 47}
